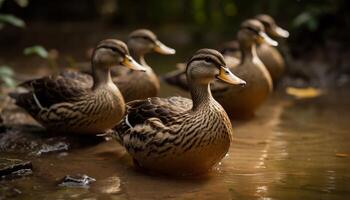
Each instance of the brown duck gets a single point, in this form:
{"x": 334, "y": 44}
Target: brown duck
{"x": 268, "y": 54}
{"x": 64, "y": 103}
{"x": 176, "y": 135}
{"x": 243, "y": 102}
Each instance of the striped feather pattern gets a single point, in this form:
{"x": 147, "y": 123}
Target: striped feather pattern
{"x": 77, "y": 103}
{"x": 177, "y": 135}
{"x": 157, "y": 129}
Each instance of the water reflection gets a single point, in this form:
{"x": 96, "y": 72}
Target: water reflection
{"x": 289, "y": 151}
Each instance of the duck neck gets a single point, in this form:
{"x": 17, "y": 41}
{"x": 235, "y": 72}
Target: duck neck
{"x": 139, "y": 57}
{"x": 248, "y": 51}
{"x": 101, "y": 75}
{"x": 201, "y": 95}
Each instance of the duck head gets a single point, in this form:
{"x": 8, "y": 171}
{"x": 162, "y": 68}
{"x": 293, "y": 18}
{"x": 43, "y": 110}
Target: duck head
{"x": 111, "y": 52}
{"x": 144, "y": 41}
{"x": 271, "y": 27}
{"x": 207, "y": 65}
{"x": 252, "y": 31}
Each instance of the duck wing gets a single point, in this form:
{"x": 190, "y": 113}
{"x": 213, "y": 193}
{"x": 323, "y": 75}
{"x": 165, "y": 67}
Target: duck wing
{"x": 146, "y": 117}
{"x": 85, "y": 80}
{"x": 162, "y": 108}
{"x": 47, "y": 91}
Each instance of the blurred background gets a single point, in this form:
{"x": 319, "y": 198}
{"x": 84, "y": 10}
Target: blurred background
{"x": 59, "y": 33}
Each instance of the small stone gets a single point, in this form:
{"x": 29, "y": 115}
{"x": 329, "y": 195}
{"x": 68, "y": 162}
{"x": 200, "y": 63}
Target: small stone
{"x": 13, "y": 168}
{"x": 58, "y": 147}
{"x": 76, "y": 181}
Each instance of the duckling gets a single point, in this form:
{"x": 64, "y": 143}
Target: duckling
{"x": 176, "y": 135}
{"x": 269, "y": 55}
{"x": 242, "y": 102}
{"x": 63, "y": 103}
{"x": 138, "y": 85}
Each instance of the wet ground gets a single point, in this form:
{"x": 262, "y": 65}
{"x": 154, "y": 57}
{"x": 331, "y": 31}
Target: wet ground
{"x": 293, "y": 149}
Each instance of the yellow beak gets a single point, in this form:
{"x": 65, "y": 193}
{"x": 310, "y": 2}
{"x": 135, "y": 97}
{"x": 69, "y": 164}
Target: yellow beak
{"x": 130, "y": 63}
{"x": 228, "y": 77}
{"x": 163, "y": 49}
{"x": 264, "y": 38}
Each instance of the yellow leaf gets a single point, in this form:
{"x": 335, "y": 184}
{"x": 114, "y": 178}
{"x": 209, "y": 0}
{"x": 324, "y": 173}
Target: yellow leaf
{"x": 343, "y": 155}
{"x": 302, "y": 93}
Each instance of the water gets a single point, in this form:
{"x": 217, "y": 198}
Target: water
{"x": 293, "y": 149}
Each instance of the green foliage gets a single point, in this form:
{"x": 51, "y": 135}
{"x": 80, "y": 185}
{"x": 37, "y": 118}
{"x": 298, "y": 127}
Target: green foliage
{"x": 36, "y": 50}
{"x": 306, "y": 19}
{"x": 11, "y": 19}
{"x": 21, "y": 3}
{"x": 313, "y": 12}
{"x": 6, "y": 76}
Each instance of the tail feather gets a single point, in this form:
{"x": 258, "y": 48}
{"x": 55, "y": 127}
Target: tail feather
{"x": 26, "y": 101}
{"x": 120, "y": 130}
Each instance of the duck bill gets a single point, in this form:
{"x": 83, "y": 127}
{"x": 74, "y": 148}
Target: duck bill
{"x": 163, "y": 49}
{"x": 280, "y": 32}
{"x": 228, "y": 77}
{"x": 130, "y": 63}
{"x": 264, "y": 38}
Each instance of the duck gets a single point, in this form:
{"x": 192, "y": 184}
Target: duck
{"x": 177, "y": 135}
{"x": 268, "y": 54}
{"x": 241, "y": 103}
{"x": 134, "y": 84}
{"x": 64, "y": 103}
{"x": 140, "y": 85}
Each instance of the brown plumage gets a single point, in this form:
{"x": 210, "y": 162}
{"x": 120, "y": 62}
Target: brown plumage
{"x": 176, "y": 135}
{"x": 243, "y": 102}
{"x": 67, "y": 103}
{"x": 133, "y": 84}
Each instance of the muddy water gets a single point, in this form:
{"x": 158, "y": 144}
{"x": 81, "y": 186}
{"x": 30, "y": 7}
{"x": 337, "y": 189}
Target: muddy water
{"x": 293, "y": 149}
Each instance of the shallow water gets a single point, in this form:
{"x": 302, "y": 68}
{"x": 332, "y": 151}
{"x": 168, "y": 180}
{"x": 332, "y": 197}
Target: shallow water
{"x": 292, "y": 149}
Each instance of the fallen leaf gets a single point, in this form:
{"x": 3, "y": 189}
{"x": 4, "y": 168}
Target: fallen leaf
{"x": 303, "y": 93}
{"x": 342, "y": 155}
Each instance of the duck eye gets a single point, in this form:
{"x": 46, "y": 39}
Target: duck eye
{"x": 207, "y": 59}
{"x": 113, "y": 49}
{"x": 253, "y": 30}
